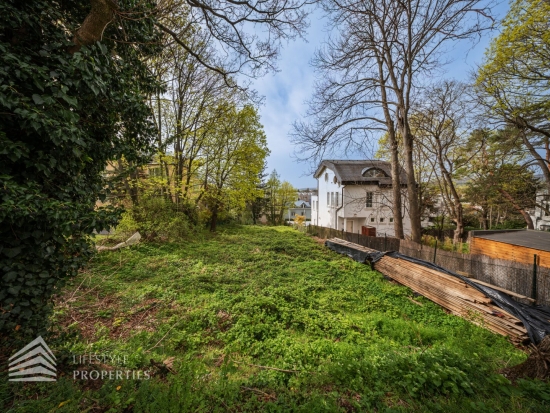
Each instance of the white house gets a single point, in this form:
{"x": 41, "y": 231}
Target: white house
{"x": 353, "y": 194}
{"x": 541, "y": 218}
{"x": 299, "y": 207}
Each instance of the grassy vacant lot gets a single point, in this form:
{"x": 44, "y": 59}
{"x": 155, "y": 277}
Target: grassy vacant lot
{"x": 267, "y": 319}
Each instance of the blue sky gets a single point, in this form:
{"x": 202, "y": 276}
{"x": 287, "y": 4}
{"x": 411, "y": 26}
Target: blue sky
{"x": 286, "y": 91}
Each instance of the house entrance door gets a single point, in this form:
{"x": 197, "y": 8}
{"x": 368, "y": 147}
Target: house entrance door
{"x": 349, "y": 225}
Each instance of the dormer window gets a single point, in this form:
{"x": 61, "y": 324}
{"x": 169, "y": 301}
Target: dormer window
{"x": 373, "y": 173}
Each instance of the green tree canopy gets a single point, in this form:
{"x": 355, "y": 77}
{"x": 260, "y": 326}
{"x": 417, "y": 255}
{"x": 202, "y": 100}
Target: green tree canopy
{"x": 514, "y": 81}
{"x": 234, "y": 159}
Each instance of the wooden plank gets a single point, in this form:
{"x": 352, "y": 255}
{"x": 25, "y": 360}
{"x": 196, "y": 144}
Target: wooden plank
{"x": 439, "y": 276}
{"x": 494, "y": 287}
{"x": 505, "y": 326}
{"x": 449, "y": 292}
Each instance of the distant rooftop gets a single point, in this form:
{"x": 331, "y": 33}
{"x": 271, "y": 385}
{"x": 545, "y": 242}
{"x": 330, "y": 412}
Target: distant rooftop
{"x": 301, "y": 204}
{"x": 539, "y": 240}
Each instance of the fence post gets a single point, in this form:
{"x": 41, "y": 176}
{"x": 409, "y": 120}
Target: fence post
{"x": 435, "y": 250}
{"x": 534, "y": 293}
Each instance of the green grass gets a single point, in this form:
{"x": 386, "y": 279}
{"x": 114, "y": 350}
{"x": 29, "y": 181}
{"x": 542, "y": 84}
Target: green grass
{"x": 226, "y": 304}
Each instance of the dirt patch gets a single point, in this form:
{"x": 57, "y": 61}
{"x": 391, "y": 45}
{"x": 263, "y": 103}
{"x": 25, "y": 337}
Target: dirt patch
{"x": 107, "y": 314}
{"x": 537, "y": 365}
{"x": 319, "y": 240}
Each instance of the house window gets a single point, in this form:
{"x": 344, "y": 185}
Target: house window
{"x": 332, "y": 198}
{"x": 328, "y": 198}
{"x": 155, "y": 172}
{"x": 374, "y": 173}
{"x": 336, "y": 197}
{"x": 369, "y": 200}
{"x": 381, "y": 219}
{"x": 391, "y": 219}
{"x": 372, "y": 219}
{"x": 326, "y": 177}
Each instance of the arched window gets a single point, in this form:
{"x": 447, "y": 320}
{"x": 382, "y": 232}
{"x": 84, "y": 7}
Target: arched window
{"x": 374, "y": 173}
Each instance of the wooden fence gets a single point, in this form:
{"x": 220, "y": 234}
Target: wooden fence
{"x": 511, "y": 275}
{"x": 376, "y": 243}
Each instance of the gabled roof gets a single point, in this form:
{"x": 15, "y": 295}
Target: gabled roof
{"x": 301, "y": 204}
{"x": 351, "y": 172}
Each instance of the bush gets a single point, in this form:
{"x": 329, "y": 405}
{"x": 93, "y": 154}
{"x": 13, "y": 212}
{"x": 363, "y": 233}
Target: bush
{"x": 156, "y": 217}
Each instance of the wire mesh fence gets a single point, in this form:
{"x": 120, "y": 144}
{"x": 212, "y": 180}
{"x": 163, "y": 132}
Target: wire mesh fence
{"x": 526, "y": 279}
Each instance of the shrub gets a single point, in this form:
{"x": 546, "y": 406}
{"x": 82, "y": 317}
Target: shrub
{"x": 156, "y": 217}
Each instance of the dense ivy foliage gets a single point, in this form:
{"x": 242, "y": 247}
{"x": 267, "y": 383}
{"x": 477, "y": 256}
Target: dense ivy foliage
{"x": 63, "y": 117}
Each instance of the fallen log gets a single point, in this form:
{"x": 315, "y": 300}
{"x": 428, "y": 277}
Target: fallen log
{"x": 134, "y": 239}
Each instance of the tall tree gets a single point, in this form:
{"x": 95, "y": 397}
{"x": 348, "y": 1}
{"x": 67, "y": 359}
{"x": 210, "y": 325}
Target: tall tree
{"x": 370, "y": 72}
{"x": 234, "y": 158}
{"x": 440, "y": 124}
{"x": 500, "y": 180}
{"x": 514, "y": 81}
{"x": 272, "y": 187}
{"x": 286, "y": 195}
{"x": 68, "y": 105}
{"x": 258, "y": 204}
{"x": 280, "y": 196}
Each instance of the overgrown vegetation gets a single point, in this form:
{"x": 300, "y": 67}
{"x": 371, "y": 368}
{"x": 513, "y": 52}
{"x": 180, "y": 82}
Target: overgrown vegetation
{"x": 448, "y": 244}
{"x": 267, "y": 319}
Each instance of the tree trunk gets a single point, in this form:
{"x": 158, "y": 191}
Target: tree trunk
{"x": 543, "y": 164}
{"x": 484, "y": 218}
{"x": 396, "y": 191}
{"x": 214, "y": 218}
{"x": 91, "y": 31}
{"x": 134, "y": 194}
{"x": 412, "y": 189}
{"x": 397, "y": 202}
{"x": 524, "y": 213}
{"x": 459, "y": 231}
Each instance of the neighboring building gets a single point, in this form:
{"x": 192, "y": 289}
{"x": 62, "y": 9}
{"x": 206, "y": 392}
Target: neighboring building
{"x": 299, "y": 208}
{"x": 541, "y": 218}
{"x": 305, "y": 194}
{"x": 356, "y": 194}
